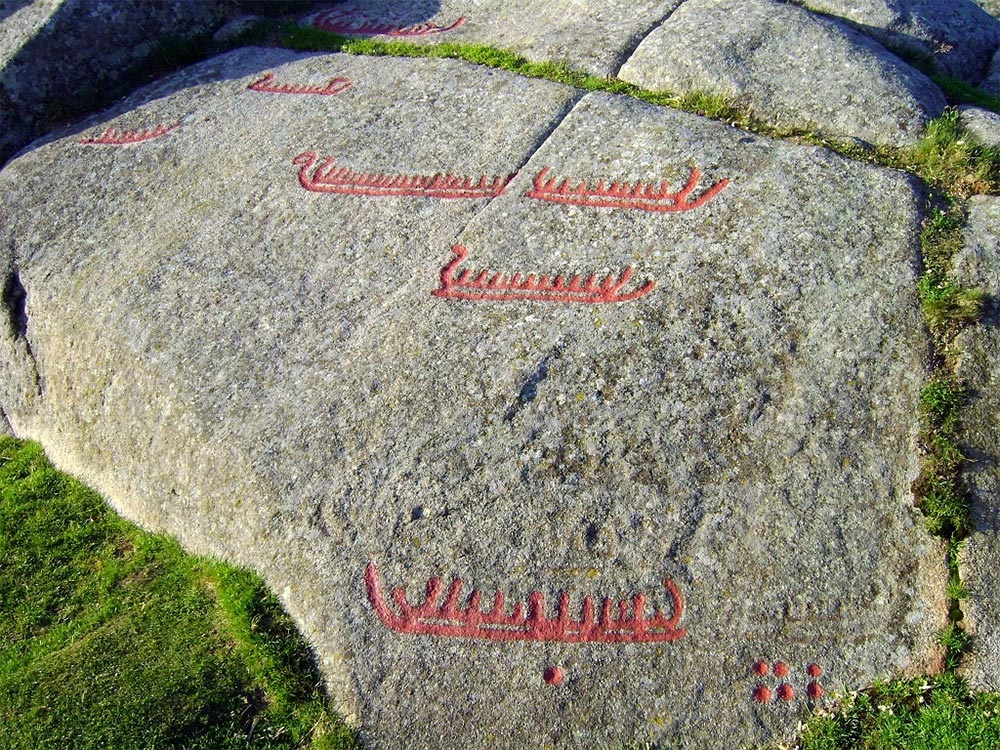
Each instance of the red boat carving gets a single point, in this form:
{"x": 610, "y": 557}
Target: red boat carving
{"x": 621, "y": 622}
{"x": 351, "y": 24}
{"x": 636, "y": 195}
{"x": 328, "y": 178}
{"x": 267, "y": 85}
{"x": 487, "y": 285}
{"x": 113, "y": 137}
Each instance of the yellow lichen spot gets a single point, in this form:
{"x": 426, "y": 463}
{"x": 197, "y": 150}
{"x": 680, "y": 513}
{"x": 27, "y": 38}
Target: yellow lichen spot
{"x": 581, "y": 396}
{"x": 415, "y": 542}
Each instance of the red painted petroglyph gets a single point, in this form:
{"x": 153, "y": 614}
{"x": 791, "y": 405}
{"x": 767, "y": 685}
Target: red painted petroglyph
{"x": 637, "y": 195}
{"x": 524, "y": 623}
{"x": 351, "y": 23}
{"x": 496, "y": 287}
{"x": 785, "y": 690}
{"x": 553, "y": 675}
{"x": 114, "y": 137}
{"x": 328, "y": 178}
{"x": 267, "y": 85}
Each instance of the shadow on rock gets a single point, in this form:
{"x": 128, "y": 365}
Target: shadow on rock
{"x": 59, "y": 62}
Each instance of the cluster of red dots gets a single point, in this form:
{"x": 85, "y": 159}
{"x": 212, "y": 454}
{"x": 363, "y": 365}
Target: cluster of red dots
{"x": 785, "y": 692}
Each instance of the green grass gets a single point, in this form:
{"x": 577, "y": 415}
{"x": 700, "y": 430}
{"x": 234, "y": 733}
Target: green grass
{"x": 933, "y": 714}
{"x": 952, "y": 161}
{"x": 114, "y": 638}
{"x": 938, "y": 488}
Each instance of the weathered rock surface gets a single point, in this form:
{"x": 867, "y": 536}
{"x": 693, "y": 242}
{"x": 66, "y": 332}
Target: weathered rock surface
{"x": 956, "y": 36}
{"x": 978, "y": 265}
{"x": 278, "y": 359}
{"x": 983, "y": 124}
{"x": 595, "y": 36}
{"x": 63, "y": 57}
{"x": 790, "y": 67}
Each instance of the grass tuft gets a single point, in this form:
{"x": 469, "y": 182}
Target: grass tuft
{"x": 951, "y": 160}
{"x": 956, "y": 643}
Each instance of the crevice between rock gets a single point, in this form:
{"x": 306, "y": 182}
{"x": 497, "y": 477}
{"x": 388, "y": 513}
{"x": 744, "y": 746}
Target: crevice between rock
{"x": 540, "y": 142}
{"x": 15, "y": 300}
{"x": 5, "y": 426}
{"x": 640, "y": 37}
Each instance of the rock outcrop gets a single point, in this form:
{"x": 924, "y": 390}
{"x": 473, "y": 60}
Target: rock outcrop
{"x": 368, "y": 323}
{"x": 790, "y": 68}
{"x": 978, "y": 266}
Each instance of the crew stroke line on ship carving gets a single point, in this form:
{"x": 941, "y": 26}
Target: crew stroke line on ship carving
{"x": 624, "y": 622}
{"x": 328, "y": 178}
{"x": 492, "y": 286}
{"x": 353, "y": 24}
{"x": 636, "y": 195}
{"x": 268, "y": 86}
{"x": 114, "y": 137}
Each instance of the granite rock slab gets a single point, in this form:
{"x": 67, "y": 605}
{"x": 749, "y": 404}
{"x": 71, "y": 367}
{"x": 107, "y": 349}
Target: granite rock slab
{"x": 237, "y": 305}
{"x": 61, "y": 57}
{"x": 957, "y": 37}
{"x": 790, "y": 67}
{"x": 977, "y": 265}
{"x": 594, "y": 36}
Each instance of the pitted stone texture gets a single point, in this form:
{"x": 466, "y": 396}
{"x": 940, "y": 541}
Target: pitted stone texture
{"x": 595, "y": 36}
{"x": 790, "y": 67}
{"x": 264, "y": 371}
{"x": 978, "y": 265}
{"x": 957, "y": 36}
{"x": 983, "y": 124}
{"x": 62, "y": 57}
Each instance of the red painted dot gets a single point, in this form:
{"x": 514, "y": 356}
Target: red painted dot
{"x": 785, "y": 691}
{"x": 781, "y": 669}
{"x": 814, "y": 670}
{"x": 815, "y": 690}
{"x": 761, "y": 668}
{"x": 762, "y": 694}
{"x": 553, "y": 675}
